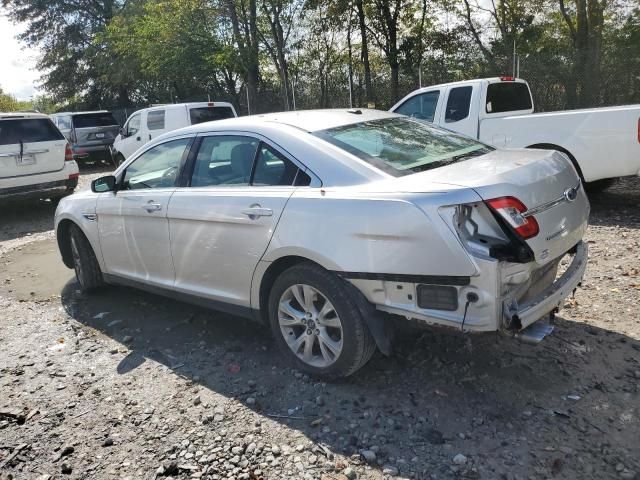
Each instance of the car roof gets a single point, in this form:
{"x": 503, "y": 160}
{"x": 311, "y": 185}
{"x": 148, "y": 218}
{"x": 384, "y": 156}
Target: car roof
{"x": 305, "y": 120}
{"x": 12, "y": 115}
{"x": 80, "y": 113}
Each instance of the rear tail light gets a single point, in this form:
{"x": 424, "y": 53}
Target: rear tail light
{"x": 211, "y": 104}
{"x": 68, "y": 153}
{"x": 512, "y": 211}
{"x": 73, "y": 176}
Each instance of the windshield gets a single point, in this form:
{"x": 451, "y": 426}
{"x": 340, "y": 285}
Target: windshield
{"x": 401, "y": 146}
{"x": 90, "y": 120}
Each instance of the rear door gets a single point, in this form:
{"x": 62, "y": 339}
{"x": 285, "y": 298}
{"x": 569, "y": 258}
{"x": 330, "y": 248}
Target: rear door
{"x": 459, "y": 113}
{"x": 209, "y": 112}
{"x": 222, "y": 222}
{"x": 29, "y": 146}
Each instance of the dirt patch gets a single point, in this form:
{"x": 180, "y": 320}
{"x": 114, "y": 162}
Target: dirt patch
{"x": 34, "y": 272}
{"x": 123, "y": 384}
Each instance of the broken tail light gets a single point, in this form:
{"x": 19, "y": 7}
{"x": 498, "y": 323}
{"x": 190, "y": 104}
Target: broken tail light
{"x": 513, "y": 212}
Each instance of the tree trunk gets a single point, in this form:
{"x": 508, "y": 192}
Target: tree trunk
{"x": 368, "y": 88}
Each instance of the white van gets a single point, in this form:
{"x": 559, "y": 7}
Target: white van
{"x": 148, "y": 123}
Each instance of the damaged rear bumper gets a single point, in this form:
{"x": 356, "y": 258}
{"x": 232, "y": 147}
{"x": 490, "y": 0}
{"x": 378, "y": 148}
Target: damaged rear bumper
{"x": 518, "y": 316}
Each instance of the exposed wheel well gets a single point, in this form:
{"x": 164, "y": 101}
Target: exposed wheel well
{"x": 63, "y": 235}
{"x": 275, "y": 269}
{"x": 551, "y": 146}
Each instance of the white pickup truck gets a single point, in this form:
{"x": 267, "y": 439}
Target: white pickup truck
{"x": 602, "y": 143}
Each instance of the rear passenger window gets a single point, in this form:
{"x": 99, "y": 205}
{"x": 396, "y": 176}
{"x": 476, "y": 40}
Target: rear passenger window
{"x": 421, "y": 106}
{"x": 28, "y": 130}
{"x": 155, "y": 120}
{"x": 224, "y": 160}
{"x": 458, "y": 104}
{"x": 274, "y": 169}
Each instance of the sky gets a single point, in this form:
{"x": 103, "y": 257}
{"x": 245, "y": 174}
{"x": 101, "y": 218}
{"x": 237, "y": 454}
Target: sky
{"x": 18, "y": 72}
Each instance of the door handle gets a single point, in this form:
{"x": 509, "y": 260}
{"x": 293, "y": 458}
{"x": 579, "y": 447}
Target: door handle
{"x": 149, "y": 136}
{"x": 257, "y": 211}
{"x": 152, "y": 206}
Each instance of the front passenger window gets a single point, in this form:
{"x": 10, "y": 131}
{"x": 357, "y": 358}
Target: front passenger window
{"x": 158, "y": 167}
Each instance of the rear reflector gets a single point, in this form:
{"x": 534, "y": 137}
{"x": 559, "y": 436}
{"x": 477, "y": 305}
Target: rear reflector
{"x": 437, "y": 297}
{"x": 74, "y": 176}
{"x": 68, "y": 153}
{"x": 511, "y": 210}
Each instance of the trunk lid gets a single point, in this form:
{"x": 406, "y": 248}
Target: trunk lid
{"x": 544, "y": 181}
{"x": 30, "y": 145}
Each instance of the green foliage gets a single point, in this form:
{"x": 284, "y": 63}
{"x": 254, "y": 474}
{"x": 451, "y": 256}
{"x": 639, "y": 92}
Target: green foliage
{"x": 111, "y": 54}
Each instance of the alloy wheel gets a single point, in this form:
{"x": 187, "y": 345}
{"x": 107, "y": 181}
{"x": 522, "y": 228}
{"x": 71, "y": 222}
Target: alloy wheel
{"x": 310, "y": 325}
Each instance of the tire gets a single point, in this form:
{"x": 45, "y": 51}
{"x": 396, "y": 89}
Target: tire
{"x": 323, "y": 358}
{"x": 118, "y": 159}
{"x": 85, "y": 263}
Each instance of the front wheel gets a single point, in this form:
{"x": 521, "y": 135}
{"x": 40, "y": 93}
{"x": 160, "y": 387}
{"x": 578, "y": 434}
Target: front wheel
{"x": 85, "y": 263}
{"x": 317, "y": 323}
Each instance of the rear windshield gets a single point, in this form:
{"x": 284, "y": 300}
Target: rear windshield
{"x": 28, "y": 130}
{"x": 207, "y": 114}
{"x": 88, "y": 120}
{"x": 401, "y": 146}
{"x": 508, "y": 97}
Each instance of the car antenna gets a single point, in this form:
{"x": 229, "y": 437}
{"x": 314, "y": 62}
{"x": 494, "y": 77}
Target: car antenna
{"x": 355, "y": 111}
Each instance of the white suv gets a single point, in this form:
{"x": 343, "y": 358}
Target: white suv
{"x": 35, "y": 158}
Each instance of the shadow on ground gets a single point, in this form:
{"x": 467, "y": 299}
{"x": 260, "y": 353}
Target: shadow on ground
{"x": 541, "y": 409}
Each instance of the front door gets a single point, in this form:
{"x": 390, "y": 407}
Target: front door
{"x": 131, "y": 140}
{"x": 222, "y": 223}
{"x": 134, "y": 231}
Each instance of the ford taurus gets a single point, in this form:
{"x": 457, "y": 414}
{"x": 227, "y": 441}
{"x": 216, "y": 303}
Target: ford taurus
{"x": 329, "y": 225}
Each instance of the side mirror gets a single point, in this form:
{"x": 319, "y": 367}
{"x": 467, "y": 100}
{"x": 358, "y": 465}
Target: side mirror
{"x": 104, "y": 184}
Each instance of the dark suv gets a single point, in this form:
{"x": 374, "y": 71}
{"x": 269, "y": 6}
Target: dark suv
{"x": 91, "y": 134}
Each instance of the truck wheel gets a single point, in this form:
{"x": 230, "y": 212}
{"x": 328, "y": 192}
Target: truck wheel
{"x": 85, "y": 263}
{"x": 317, "y": 324}
{"x": 119, "y": 159}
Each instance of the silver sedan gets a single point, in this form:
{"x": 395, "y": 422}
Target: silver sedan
{"x": 331, "y": 225}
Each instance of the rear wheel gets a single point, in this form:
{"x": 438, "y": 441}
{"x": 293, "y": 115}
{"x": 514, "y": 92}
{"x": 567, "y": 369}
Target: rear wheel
{"x": 85, "y": 263}
{"x": 317, "y": 323}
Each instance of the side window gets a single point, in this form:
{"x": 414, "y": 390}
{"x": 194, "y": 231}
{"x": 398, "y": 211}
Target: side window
{"x": 224, "y": 160}
{"x": 158, "y": 167}
{"x": 133, "y": 126}
{"x": 421, "y": 106}
{"x": 155, "y": 120}
{"x": 274, "y": 169}
{"x": 458, "y": 104}
{"x": 64, "y": 123}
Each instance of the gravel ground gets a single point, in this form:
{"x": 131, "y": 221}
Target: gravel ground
{"x": 124, "y": 384}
